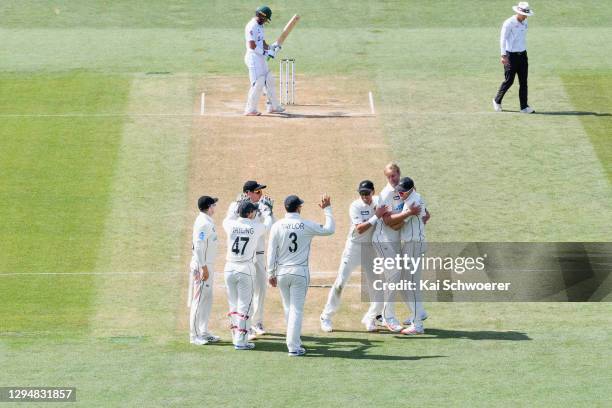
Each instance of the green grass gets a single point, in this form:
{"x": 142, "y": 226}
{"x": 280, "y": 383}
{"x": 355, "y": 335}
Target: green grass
{"x": 107, "y": 194}
{"x": 55, "y": 184}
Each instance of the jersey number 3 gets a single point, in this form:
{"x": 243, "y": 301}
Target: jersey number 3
{"x": 293, "y": 246}
{"x": 236, "y": 246}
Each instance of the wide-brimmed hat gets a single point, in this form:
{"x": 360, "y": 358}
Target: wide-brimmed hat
{"x": 523, "y": 8}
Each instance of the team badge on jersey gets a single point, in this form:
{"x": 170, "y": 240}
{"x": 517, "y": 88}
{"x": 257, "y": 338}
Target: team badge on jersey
{"x": 365, "y": 212}
{"x": 201, "y": 236}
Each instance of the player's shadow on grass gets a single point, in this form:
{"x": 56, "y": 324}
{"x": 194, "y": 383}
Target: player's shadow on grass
{"x": 330, "y": 115}
{"x": 336, "y": 347}
{"x": 470, "y": 335}
{"x": 566, "y": 113}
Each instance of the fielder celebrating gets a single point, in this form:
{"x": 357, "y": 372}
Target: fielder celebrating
{"x": 243, "y": 235}
{"x": 204, "y": 247}
{"x": 252, "y": 192}
{"x": 364, "y": 214}
{"x": 288, "y": 252}
{"x": 412, "y": 235}
{"x": 255, "y": 59}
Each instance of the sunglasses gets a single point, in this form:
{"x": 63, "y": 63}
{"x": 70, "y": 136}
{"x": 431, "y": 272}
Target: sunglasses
{"x": 257, "y": 192}
{"x": 365, "y": 193}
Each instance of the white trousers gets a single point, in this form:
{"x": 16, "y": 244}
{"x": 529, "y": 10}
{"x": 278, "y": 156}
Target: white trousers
{"x": 201, "y": 301}
{"x": 414, "y": 299}
{"x": 351, "y": 260}
{"x": 259, "y": 289}
{"x": 239, "y": 296}
{"x": 293, "y": 290}
{"x": 388, "y": 250}
{"x": 260, "y": 77}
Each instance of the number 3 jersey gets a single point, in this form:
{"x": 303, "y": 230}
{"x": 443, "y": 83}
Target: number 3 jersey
{"x": 289, "y": 243}
{"x": 243, "y": 235}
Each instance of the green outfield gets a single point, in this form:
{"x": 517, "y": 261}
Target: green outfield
{"x": 96, "y": 146}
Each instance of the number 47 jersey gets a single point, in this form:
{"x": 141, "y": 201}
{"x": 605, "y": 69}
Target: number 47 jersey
{"x": 243, "y": 235}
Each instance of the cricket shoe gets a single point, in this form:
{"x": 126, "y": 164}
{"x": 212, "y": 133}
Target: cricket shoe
{"x": 259, "y": 329}
{"x": 413, "y": 329}
{"x": 246, "y": 346}
{"x": 497, "y": 106}
{"x": 252, "y": 113}
{"x": 280, "y": 109}
{"x": 528, "y": 109}
{"x": 211, "y": 338}
{"x": 408, "y": 321}
{"x": 393, "y": 325}
{"x": 198, "y": 341}
{"x": 379, "y": 321}
{"x": 326, "y": 325}
{"x": 370, "y": 324}
{"x": 251, "y": 335}
{"x": 298, "y": 353}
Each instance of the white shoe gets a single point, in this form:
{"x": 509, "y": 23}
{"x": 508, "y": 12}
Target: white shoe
{"x": 198, "y": 341}
{"x": 414, "y": 329}
{"x": 252, "y": 113}
{"x": 299, "y": 352}
{"x": 528, "y": 109}
{"x": 211, "y": 338}
{"x": 326, "y": 325}
{"x": 280, "y": 109}
{"x": 379, "y": 321}
{"x": 393, "y": 325}
{"x": 370, "y": 324}
{"x": 408, "y": 321}
{"x": 246, "y": 346}
{"x": 259, "y": 329}
{"x": 251, "y": 335}
{"x": 497, "y": 106}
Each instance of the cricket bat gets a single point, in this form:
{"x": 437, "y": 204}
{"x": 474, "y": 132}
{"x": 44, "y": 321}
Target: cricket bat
{"x": 290, "y": 25}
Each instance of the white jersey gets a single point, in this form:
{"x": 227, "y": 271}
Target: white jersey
{"x": 391, "y": 198}
{"x": 204, "y": 240}
{"x": 254, "y": 32}
{"x": 361, "y": 212}
{"x": 242, "y": 237}
{"x": 513, "y": 37}
{"x": 264, "y": 216}
{"x": 290, "y": 240}
{"x": 413, "y": 229}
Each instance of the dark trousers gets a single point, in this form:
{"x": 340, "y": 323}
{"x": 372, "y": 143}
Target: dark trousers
{"x": 518, "y": 64}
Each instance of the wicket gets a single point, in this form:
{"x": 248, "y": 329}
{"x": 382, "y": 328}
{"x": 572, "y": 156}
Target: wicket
{"x": 287, "y": 78}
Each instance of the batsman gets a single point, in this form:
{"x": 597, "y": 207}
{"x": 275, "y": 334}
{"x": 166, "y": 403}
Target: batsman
{"x": 257, "y": 52}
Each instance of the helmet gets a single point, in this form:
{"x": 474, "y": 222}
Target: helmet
{"x": 266, "y": 11}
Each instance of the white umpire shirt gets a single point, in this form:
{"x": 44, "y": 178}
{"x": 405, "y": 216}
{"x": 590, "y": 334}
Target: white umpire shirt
{"x": 389, "y": 197}
{"x": 290, "y": 239}
{"x": 513, "y": 36}
{"x": 204, "y": 240}
{"x": 413, "y": 229}
{"x": 361, "y": 212}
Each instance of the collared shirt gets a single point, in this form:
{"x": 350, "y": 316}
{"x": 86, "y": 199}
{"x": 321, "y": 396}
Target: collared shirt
{"x": 254, "y": 32}
{"x": 264, "y": 216}
{"x": 242, "y": 237}
{"x": 361, "y": 212}
{"x": 513, "y": 36}
{"x": 290, "y": 240}
{"x": 389, "y": 197}
{"x": 204, "y": 240}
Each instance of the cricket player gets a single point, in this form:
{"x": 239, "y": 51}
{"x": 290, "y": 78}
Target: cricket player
{"x": 252, "y": 191}
{"x": 364, "y": 215}
{"x": 257, "y": 50}
{"x": 386, "y": 241}
{"x": 243, "y": 235}
{"x": 202, "y": 275}
{"x": 513, "y": 49}
{"x": 288, "y": 252}
{"x": 412, "y": 235}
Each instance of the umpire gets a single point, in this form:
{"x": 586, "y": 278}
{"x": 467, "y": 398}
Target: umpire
{"x": 514, "y": 56}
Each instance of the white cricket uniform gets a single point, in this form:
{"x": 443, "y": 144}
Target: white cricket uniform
{"x": 288, "y": 252}
{"x": 204, "y": 244}
{"x": 259, "y": 74}
{"x": 243, "y": 235}
{"x": 264, "y": 216}
{"x": 356, "y": 245}
{"x": 386, "y": 243}
{"x": 412, "y": 235}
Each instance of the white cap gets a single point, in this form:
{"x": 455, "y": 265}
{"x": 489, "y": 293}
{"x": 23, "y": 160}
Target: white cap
{"x": 523, "y": 8}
